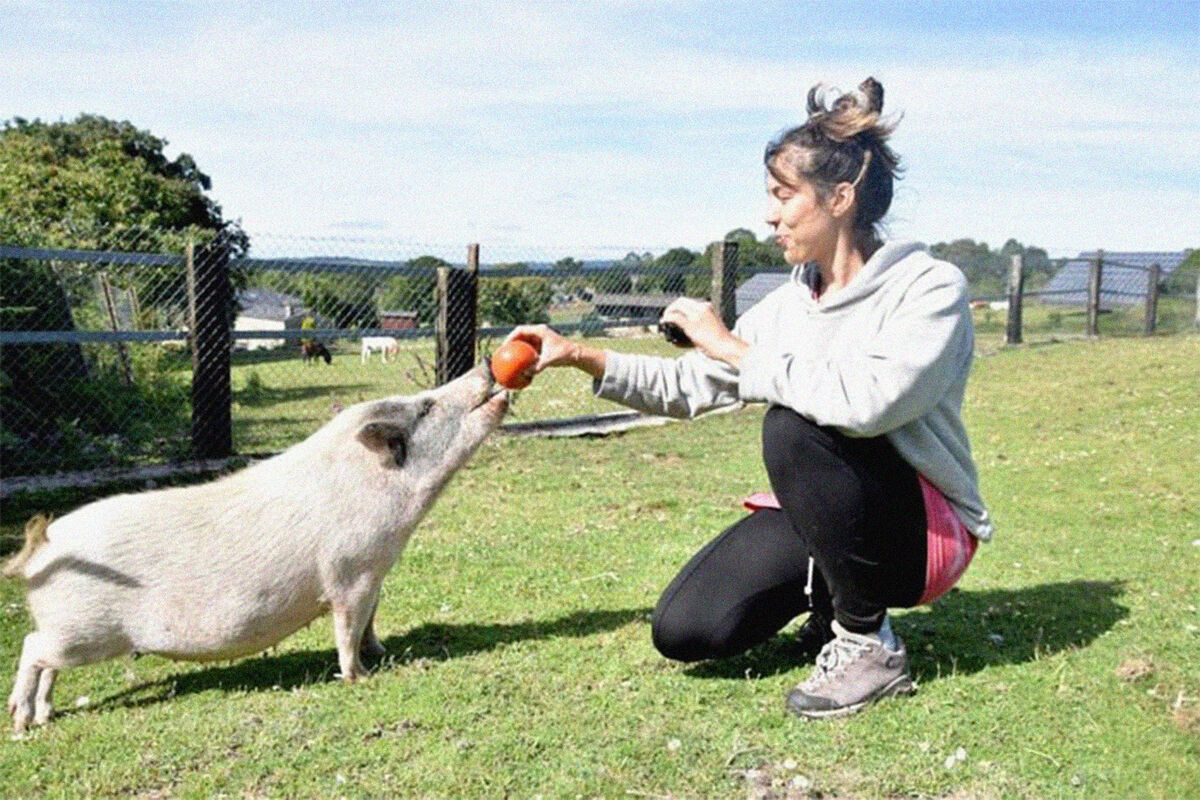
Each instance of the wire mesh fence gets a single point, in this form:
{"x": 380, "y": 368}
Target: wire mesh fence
{"x": 144, "y": 347}
{"x": 118, "y": 357}
{"x": 1097, "y": 294}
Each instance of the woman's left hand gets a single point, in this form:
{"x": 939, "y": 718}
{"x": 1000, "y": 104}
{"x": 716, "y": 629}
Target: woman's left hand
{"x": 702, "y": 325}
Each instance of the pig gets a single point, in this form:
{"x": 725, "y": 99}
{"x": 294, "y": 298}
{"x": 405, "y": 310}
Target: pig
{"x": 225, "y": 569}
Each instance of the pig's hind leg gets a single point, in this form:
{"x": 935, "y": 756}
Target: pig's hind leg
{"x": 43, "y": 706}
{"x": 33, "y": 687}
{"x": 42, "y": 656}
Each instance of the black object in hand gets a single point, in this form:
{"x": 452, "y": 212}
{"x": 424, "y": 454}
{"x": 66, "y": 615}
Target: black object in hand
{"x": 674, "y": 334}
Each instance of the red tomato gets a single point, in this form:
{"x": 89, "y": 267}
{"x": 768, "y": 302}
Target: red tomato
{"x": 512, "y": 364}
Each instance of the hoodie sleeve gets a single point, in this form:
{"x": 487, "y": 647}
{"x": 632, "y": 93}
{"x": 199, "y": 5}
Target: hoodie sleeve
{"x": 671, "y": 387}
{"x": 883, "y": 379}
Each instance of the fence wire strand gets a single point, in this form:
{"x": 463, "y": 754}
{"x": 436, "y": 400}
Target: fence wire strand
{"x": 114, "y": 353}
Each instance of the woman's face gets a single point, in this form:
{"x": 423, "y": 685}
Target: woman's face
{"x": 804, "y": 227}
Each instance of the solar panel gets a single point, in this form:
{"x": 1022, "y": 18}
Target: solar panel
{"x": 1122, "y": 278}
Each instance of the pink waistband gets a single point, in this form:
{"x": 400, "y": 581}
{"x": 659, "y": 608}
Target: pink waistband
{"x": 949, "y": 545}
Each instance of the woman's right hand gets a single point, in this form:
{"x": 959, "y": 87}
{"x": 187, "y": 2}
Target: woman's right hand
{"x": 556, "y": 350}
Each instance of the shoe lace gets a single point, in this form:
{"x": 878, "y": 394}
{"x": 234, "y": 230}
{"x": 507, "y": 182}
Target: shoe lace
{"x": 834, "y": 656}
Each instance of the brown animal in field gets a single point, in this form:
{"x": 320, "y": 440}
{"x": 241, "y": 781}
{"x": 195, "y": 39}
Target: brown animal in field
{"x": 310, "y": 351}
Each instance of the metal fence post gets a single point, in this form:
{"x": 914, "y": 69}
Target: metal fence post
{"x": 1016, "y": 286}
{"x": 724, "y": 281}
{"x": 1152, "y": 298}
{"x": 209, "y": 302}
{"x": 1095, "y": 277}
{"x": 458, "y": 293}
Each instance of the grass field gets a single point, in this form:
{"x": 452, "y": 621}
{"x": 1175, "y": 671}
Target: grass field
{"x": 278, "y": 400}
{"x": 1066, "y": 664}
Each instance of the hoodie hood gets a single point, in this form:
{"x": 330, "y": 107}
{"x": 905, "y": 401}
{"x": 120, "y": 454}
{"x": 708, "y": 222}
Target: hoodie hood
{"x": 807, "y": 276}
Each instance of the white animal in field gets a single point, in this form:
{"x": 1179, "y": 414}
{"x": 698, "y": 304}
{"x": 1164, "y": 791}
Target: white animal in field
{"x": 225, "y": 569}
{"x": 386, "y": 345}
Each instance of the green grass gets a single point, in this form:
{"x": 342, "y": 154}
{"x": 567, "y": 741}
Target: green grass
{"x": 278, "y": 400}
{"x": 1066, "y": 664}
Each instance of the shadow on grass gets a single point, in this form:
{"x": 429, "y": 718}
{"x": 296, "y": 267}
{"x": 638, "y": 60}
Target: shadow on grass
{"x": 964, "y": 632}
{"x": 261, "y": 396}
{"x": 431, "y": 642}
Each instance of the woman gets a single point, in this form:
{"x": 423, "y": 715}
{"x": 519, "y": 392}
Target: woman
{"x": 862, "y": 359}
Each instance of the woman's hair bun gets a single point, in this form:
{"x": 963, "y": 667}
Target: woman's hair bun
{"x": 872, "y": 90}
{"x": 849, "y": 114}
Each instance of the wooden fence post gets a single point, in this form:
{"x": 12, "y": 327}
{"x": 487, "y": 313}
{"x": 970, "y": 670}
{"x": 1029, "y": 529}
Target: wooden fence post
{"x": 458, "y": 293}
{"x": 122, "y": 353}
{"x": 1152, "y": 298}
{"x": 210, "y": 298}
{"x": 724, "y": 281}
{"x": 1095, "y": 279}
{"x": 1016, "y": 287}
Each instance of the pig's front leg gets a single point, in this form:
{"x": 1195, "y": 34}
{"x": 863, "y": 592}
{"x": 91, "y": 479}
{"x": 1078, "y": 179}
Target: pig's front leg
{"x": 351, "y": 616}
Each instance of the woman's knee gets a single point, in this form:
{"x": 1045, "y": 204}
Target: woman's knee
{"x": 786, "y": 436}
{"x": 676, "y": 634}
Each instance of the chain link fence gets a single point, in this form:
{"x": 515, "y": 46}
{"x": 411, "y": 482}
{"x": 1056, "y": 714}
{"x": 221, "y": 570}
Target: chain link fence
{"x": 1097, "y": 294}
{"x": 156, "y": 351}
{"x": 147, "y": 347}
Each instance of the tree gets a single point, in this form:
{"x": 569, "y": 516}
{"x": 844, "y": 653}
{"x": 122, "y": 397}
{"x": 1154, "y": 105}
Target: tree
{"x": 93, "y": 183}
{"x": 669, "y": 271}
{"x": 414, "y": 290}
{"x": 87, "y": 183}
{"x": 987, "y": 270}
{"x": 514, "y": 301}
{"x": 753, "y": 256}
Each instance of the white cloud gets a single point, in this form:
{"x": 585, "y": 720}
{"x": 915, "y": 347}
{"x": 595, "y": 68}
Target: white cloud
{"x": 525, "y": 124}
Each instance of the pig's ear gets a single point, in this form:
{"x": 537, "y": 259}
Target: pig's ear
{"x": 387, "y": 439}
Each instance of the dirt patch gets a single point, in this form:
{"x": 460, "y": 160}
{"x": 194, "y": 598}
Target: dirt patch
{"x": 1134, "y": 669}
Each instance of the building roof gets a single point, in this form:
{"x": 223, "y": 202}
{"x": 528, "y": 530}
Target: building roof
{"x": 646, "y": 301}
{"x": 269, "y": 304}
{"x": 756, "y": 288}
{"x": 1122, "y": 278}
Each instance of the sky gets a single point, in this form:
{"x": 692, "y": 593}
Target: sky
{"x": 542, "y": 129}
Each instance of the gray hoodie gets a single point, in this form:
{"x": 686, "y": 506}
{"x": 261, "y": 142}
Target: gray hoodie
{"x": 888, "y": 354}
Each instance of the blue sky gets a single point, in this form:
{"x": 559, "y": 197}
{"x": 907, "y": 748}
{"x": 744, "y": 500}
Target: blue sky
{"x": 544, "y": 129}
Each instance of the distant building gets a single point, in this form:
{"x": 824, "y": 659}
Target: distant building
{"x": 263, "y": 310}
{"x": 632, "y": 306}
{"x": 398, "y": 320}
{"x": 1122, "y": 278}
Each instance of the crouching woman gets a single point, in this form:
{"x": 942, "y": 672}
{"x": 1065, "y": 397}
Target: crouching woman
{"x": 862, "y": 358}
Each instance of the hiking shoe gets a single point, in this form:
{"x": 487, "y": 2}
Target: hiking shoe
{"x": 814, "y": 634}
{"x": 852, "y": 671}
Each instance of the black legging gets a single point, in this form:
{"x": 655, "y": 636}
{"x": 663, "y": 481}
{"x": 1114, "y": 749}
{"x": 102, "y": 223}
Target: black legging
{"x": 852, "y": 503}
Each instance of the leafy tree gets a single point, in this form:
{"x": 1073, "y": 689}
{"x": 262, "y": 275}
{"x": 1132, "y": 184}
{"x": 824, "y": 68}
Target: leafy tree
{"x": 415, "y": 290}
{"x": 987, "y": 270}
{"x": 514, "y": 301}
{"x": 668, "y": 272}
{"x": 93, "y": 183}
{"x": 755, "y": 256}
{"x": 345, "y": 300}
